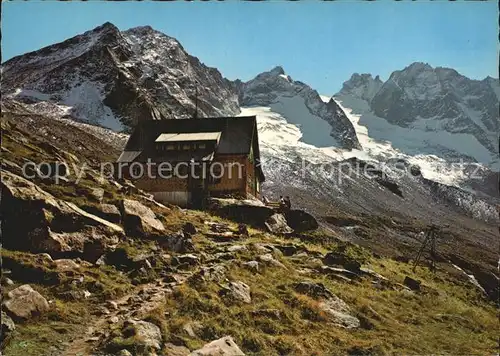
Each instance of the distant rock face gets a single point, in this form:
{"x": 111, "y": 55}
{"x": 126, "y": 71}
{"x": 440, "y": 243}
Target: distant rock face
{"x": 114, "y": 78}
{"x": 362, "y": 86}
{"x": 321, "y": 124}
{"x": 432, "y": 99}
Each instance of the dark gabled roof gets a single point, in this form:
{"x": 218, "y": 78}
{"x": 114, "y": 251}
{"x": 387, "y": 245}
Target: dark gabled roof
{"x": 236, "y": 138}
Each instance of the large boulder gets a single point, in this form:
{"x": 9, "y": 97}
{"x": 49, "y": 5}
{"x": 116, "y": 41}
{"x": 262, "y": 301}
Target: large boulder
{"x": 224, "y": 346}
{"x": 138, "y": 219}
{"x": 277, "y": 224}
{"x": 24, "y": 303}
{"x": 336, "y": 310}
{"x": 107, "y": 212}
{"x": 35, "y": 220}
{"x": 178, "y": 242}
{"x": 145, "y": 334}
{"x": 252, "y": 212}
{"x": 300, "y": 221}
{"x": 237, "y": 292}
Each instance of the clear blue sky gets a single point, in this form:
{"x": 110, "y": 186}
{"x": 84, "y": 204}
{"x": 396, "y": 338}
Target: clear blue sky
{"x": 320, "y": 43}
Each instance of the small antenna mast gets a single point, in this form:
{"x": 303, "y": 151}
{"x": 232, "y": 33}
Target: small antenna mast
{"x": 196, "y": 103}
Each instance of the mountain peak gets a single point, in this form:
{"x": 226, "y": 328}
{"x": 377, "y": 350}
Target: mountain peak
{"x": 105, "y": 27}
{"x": 272, "y": 74}
{"x": 363, "y": 86}
{"x": 278, "y": 70}
{"x": 418, "y": 67}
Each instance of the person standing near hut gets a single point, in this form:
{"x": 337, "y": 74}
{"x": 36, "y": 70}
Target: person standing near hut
{"x": 287, "y": 202}
{"x": 282, "y": 202}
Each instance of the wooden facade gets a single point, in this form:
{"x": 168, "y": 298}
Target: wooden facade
{"x": 220, "y": 158}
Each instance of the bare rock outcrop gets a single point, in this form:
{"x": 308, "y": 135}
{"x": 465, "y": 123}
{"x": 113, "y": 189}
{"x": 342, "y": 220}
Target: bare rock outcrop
{"x": 138, "y": 219}
{"x": 35, "y": 220}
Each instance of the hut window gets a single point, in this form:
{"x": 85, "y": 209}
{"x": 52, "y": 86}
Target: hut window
{"x": 202, "y": 146}
{"x": 170, "y": 147}
{"x": 186, "y": 147}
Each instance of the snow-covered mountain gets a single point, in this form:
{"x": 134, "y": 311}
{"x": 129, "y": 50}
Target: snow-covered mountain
{"x": 114, "y": 78}
{"x": 321, "y": 124}
{"x": 425, "y": 110}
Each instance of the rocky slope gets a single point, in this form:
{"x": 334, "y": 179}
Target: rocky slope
{"x": 422, "y": 109}
{"x": 113, "y": 78}
{"x": 94, "y": 266}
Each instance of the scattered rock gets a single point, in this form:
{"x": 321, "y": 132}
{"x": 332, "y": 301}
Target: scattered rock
{"x": 66, "y": 265}
{"x": 145, "y": 334}
{"x": 7, "y": 326}
{"x": 237, "y": 291}
{"x": 243, "y": 230}
{"x": 237, "y": 248}
{"x": 218, "y": 227}
{"x": 224, "y": 346}
{"x": 411, "y": 283}
{"x": 372, "y": 274}
{"x": 267, "y": 313}
{"x": 93, "y": 219}
{"x": 7, "y": 281}
{"x": 193, "y": 328}
{"x": 174, "y": 350}
{"x": 215, "y": 273}
{"x": 102, "y": 311}
{"x": 46, "y": 257}
{"x": 222, "y": 236}
{"x": 138, "y": 219}
{"x": 74, "y": 295}
{"x": 112, "y": 305}
{"x": 339, "y": 259}
{"x": 315, "y": 290}
{"x": 187, "y": 259}
{"x": 289, "y": 250}
{"x": 277, "y": 224}
{"x": 415, "y": 170}
{"x": 128, "y": 187}
{"x": 391, "y": 185}
{"x": 337, "y": 311}
{"x": 24, "y": 302}
{"x": 252, "y": 212}
{"x": 269, "y": 260}
{"x": 97, "y": 194}
{"x": 252, "y": 265}
{"x": 48, "y": 224}
{"x": 345, "y": 273}
{"x": 179, "y": 242}
{"x": 189, "y": 229}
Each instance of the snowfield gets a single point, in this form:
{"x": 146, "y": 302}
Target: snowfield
{"x": 284, "y": 139}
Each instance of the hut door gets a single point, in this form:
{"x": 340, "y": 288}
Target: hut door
{"x": 196, "y": 185}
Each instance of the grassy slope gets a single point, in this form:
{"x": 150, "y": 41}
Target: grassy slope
{"x": 450, "y": 317}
